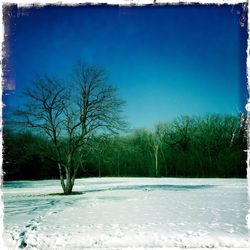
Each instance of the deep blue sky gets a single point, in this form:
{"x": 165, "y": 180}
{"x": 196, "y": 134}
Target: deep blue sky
{"x": 165, "y": 60}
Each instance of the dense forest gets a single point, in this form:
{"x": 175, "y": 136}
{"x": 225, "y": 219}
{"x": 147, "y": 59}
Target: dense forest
{"x": 211, "y": 145}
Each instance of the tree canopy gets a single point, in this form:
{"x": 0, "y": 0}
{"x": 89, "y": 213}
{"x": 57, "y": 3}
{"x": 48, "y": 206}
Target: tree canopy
{"x": 71, "y": 114}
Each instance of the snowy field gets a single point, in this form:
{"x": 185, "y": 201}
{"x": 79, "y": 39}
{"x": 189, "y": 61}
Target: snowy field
{"x": 118, "y": 213}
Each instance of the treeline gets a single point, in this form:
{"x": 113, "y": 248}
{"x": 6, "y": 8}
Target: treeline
{"x": 203, "y": 146}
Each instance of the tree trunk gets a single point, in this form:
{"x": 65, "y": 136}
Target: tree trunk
{"x": 156, "y": 161}
{"x": 118, "y": 170}
{"x": 68, "y": 183}
{"x": 69, "y": 186}
{"x": 71, "y": 180}
{"x": 99, "y": 168}
{"x": 156, "y": 165}
{"x": 61, "y": 177}
{"x": 118, "y": 166}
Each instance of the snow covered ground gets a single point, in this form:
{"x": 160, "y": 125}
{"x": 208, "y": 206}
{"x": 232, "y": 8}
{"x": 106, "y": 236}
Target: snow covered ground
{"x": 117, "y": 213}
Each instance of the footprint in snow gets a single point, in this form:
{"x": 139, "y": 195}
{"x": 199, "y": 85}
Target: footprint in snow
{"x": 31, "y": 226}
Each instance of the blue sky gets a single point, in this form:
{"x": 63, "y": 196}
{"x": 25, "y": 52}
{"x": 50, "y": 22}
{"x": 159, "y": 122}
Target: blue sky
{"x": 165, "y": 60}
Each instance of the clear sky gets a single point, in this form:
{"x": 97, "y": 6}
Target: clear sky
{"x": 165, "y": 60}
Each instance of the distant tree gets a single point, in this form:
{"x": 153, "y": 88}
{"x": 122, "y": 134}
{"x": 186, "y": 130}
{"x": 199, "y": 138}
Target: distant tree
{"x": 183, "y": 129}
{"x": 70, "y": 115}
{"x": 180, "y": 137}
{"x": 98, "y": 148}
{"x": 24, "y": 156}
{"x": 155, "y": 140}
{"x": 114, "y": 157}
{"x": 120, "y": 148}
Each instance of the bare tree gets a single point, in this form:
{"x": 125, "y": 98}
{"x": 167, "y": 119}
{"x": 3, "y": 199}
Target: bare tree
{"x": 70, "y": 115}
{"x": 155, "y": 141}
